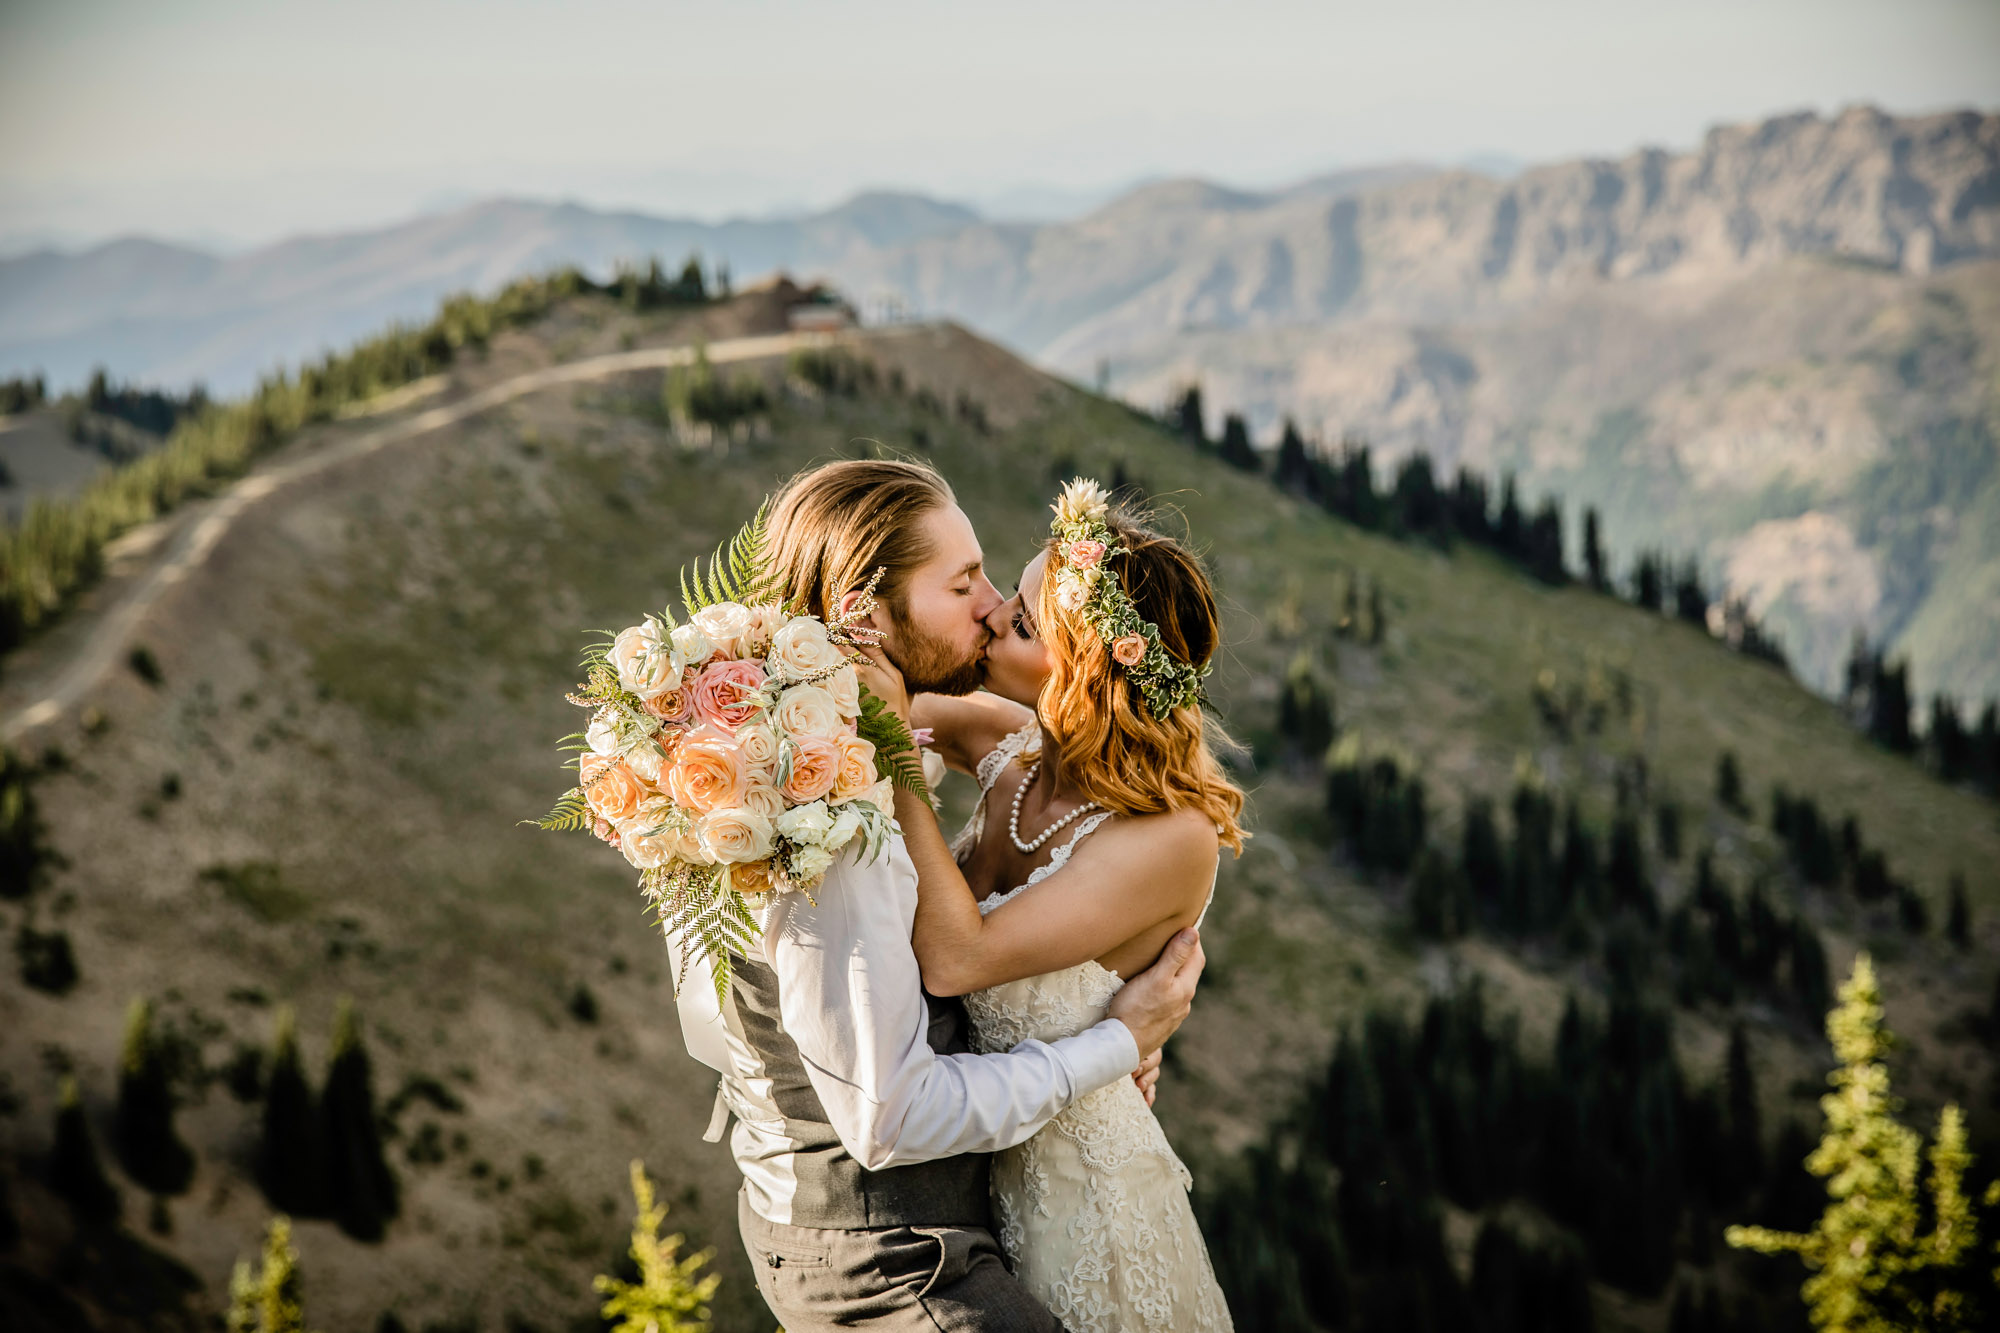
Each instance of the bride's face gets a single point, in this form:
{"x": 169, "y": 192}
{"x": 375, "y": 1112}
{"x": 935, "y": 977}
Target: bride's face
{"x": 1017, "y": 665}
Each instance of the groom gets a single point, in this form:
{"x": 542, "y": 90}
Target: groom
{"x": 862, "y": 1122}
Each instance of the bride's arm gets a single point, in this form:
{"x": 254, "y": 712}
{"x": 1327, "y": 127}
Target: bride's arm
{"x": 965, "y": 729}
{"x": 1122, "y": 884}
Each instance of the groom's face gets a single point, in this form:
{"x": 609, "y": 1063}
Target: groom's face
{"x": 938, "y": 641}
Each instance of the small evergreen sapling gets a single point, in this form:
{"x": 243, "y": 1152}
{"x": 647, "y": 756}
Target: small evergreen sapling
{"x": 668, "y": 1297}
{"x": 291, "y": 1163}
{"x": 148, "y": 1148}
{"x": 364, "y": 1194}
{"x": 268, "y": 1300}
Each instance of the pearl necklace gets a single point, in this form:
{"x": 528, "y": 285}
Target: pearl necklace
{"x": 1014, "y": 819}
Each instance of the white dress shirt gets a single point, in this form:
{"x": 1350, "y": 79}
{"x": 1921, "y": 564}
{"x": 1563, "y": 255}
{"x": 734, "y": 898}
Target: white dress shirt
{"x": 851, "y": 998}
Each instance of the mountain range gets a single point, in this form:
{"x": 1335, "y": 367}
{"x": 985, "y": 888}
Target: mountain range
{"x": 1773, "y": 353}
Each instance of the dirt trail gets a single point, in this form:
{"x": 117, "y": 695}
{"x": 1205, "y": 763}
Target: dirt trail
{"x": 187, "y": 538}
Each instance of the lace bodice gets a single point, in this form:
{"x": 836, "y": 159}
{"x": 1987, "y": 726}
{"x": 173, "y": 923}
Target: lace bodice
{"x": 1093, "y": 1210}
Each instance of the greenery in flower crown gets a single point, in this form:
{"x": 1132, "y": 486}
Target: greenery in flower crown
{"x": 1085, "y": 585}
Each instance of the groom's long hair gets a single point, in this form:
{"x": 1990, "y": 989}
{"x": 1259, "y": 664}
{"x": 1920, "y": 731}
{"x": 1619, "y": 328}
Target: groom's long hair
{"x": 1113, "y": 750}
{"x": 833, "y": 526}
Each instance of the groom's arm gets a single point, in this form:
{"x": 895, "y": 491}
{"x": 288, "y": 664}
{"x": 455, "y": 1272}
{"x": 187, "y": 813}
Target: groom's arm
{"x": 851, "y": 997}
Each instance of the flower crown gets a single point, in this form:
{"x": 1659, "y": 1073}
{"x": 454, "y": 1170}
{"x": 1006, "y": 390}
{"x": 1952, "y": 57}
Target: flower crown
{"x": 1084, "y": 543}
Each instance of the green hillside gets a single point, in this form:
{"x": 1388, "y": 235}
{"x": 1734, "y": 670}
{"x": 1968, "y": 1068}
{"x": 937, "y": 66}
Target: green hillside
{"x": 308, "y": 786}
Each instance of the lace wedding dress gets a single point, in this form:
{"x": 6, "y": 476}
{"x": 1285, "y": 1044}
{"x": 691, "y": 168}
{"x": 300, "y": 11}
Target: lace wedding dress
{"x": 1093, "y": 1210}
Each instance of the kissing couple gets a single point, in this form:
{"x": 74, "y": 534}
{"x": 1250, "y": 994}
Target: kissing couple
{"x": 941, "y": 1062}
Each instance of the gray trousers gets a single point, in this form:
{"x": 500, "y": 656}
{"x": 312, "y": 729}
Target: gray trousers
{"x": 914, "y": 1279}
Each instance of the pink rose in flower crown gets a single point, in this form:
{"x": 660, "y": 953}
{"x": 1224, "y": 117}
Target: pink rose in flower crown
{"x": 1085, "y": 554}
{"x": 708, "y": 774}
{"x": 610, "y": 786}
{"x": 1130, "y": 650}
{"x": 725, "y": 693}
{"x": 857, "y": 769}
{"x": 815, "y": 768}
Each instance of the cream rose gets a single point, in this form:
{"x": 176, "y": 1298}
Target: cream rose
{"x": 934, "y": 769}
{"x": 759, "y": 745}
{"x": 856, "y": 773}
{"x": 807, "y": 710}
{"x": 687, "y": 846}
{"x": 645, "y": 659}
{"x": 763, "y": 798}
{"x": 724, "y": 624}
{"x": 708, "y": 774}
{"x": 815, "y": 765}
{"x": 845, "y": 687}
{"x": 647, "y": 849}
{"x": 693, "y": 646}
{"x": 765, "y": 622}
{"x": 645, "y": 759}
{"x": 736, "y": 835}
{"x": 846, "y": 824}
{"x": 803, "y": 649}
{"x": 1072, "y": 591}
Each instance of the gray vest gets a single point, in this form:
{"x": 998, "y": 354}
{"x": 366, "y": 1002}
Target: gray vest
{"x": 792, "y": 1161}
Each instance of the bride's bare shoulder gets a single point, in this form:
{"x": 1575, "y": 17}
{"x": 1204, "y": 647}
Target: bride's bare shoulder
{"x": 1176, "y": 849}
{"x": 966, "y": 727}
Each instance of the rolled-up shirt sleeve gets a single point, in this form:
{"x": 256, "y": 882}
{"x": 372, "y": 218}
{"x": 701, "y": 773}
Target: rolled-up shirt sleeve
{"x": 851, "y": 998}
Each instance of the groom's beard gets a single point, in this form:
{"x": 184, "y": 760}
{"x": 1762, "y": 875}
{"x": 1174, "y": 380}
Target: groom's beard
{"x": 932, "y": 666}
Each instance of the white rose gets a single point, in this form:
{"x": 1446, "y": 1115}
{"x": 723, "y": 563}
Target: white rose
{"x": 882, "y": 796}
{"x": 736, "y": 835}
{"x": 693, "y": 646}
{"x": 806, "y": 823}
{"x": 759, "y": 745}
{"x": 645, "y": 660}
{"x": 803, "y": 649}
{"x": 845, "y": 687}
{"x": 809, "y": 863}
{"x": 647, "y": 849}
{"x": 724, "y": 624}
{"x": 604, "y": 734}
{"x": 807, "y": 710}
{"x": 845, "y": 825}
{"x": 687, "y": 844}
{"x": 645, "y": 760}
{"x": 1072, "y": 591}
{"x": 934, "y": 769}
{"x": 764, "y": 799}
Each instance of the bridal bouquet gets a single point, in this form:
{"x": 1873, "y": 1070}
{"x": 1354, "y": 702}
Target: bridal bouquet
{"x": 733, "y": 755}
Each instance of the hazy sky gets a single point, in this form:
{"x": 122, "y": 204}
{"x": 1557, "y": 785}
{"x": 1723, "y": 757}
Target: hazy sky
{"x": 235, "y": 121}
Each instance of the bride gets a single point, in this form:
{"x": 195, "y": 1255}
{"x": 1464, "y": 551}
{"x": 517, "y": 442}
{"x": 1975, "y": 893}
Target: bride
{"x": 1099, "y": 827}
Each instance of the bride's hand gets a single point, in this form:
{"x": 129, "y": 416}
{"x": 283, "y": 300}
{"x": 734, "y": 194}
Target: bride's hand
{"x": 880, "y": 678}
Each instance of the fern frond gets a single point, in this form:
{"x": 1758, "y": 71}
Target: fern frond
{"x": 897, "y": 757}
{"x": 738, "y": 570}
{"x": 571, "y": 812}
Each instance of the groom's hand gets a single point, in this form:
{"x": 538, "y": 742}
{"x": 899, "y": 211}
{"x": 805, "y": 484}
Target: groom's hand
{"x": 1156, "y": 1002}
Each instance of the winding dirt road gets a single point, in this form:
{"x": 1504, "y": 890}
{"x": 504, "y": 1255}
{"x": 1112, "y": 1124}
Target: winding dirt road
{"x": 57, "y": 685}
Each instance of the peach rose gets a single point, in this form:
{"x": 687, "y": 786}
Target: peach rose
{"x": 1130, "y": 650}
{"x": 803, "y": 649}
{"x": 753, "y": 877}
{"x": 815, "y": 767}
{"x": 737, "y": 835}
{"x": 1086, "y": 554}
{"x": 724, "y": 624}
{"x": 611, "y": 788}
{"x": 671, "y": 704}
{"x": 708, "y": 774}
{"x": 725, "y": 694}
{"x": 857, "y": 768}
{"x": 807, "y": 710}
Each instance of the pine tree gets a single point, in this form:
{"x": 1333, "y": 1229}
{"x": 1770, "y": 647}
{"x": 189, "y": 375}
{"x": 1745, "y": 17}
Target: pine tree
{"x": 362, "y": 1188}
{"x": 1236, "y": 449}
{"x": 1729, "y": 784}
{"x": 1958, "y": 924}
{"x": 668, "y": 1297}
{"x": 1593, "y": 553}
{"x": 1305, "y": 710}
{"x": 268, "y": 1300}
{"x": 75, "y": 1171}
{"x": 1509, "y": 532}
{"x": 1294, "y": 470}
{"x": 1871, "y": 1269}
{"x": 291, "y": 1160}
{"x": 1188, "y": 417}
{"x": 149, "y": 1150}
{"x": 1743, "y": 1125}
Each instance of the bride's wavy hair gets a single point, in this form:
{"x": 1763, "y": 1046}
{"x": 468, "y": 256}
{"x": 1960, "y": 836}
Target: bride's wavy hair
{"x": 1111, "y": 747}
